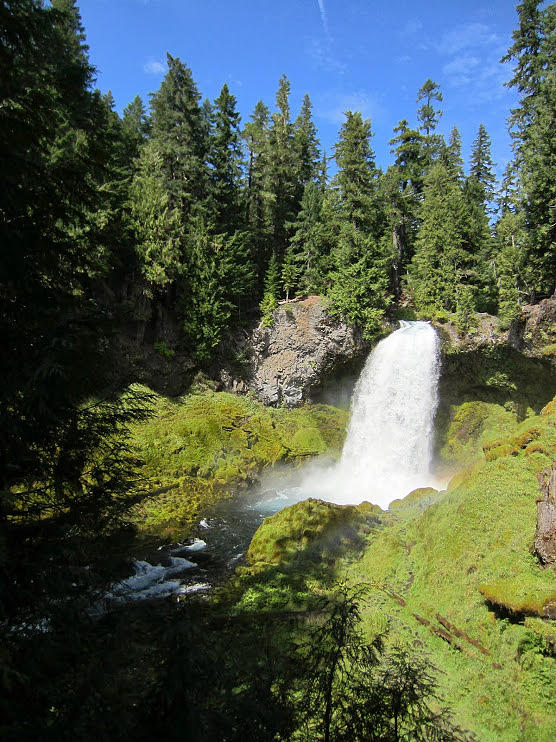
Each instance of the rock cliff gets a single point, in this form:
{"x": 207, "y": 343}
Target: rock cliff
{"x": 286, "y": 362}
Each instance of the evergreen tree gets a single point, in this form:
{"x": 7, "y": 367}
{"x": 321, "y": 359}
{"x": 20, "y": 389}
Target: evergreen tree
{"x": 442, "y": 260}
{"x": 400, "y": 209}
{"x": 410, "y": 158}
{"x": 178, "y": 136}
{"x": 308, "y": 243}
{"x": 306, "y": 146}
{"x": 256, "y": 135}
{"x": 135, "y": 127}
{"x": 271, "y": 292}
{"x": 220, "y": 276}
{"x": 226, "y": 160}
{"x": 512, "y": 270}
{"x": 158, "y": 226}
{"x": 281, "y": 190}
{"x": 533, "y": 127}
{"x": 356, "y": 179}
{"x": 358, "y": 288}
{"x": 429, "y": 117}
{"x": 290, "y": 272}
{"x": 66, "y": 469}
{"x": 453, "y": 159}
{"x": 482, "y": 166}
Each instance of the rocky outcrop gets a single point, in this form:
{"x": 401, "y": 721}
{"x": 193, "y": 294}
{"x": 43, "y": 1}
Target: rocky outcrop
{"x": 284, "y": 363}
{"x": 545, "y": 536}
{"x": 535, "y": 334}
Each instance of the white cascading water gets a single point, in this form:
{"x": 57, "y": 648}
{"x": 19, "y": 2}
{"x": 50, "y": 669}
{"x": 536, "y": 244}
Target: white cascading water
{"x": 389, "y": 443}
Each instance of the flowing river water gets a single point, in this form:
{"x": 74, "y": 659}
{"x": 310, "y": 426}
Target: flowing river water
{"x": 386, "y": 455}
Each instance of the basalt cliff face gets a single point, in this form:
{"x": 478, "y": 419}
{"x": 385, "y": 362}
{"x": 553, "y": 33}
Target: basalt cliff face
{"x": 287, "y": 362}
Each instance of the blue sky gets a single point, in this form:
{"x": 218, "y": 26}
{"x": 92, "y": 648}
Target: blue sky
{"x": 347, "y": 54}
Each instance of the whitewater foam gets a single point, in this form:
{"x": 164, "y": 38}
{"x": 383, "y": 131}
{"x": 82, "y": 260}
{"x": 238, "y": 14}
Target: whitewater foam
{"x": 389, "y": 443}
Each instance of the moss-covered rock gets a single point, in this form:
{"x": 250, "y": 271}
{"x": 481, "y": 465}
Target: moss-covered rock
{"x": 197, "y": 447}
{"x": 310, "y": 528}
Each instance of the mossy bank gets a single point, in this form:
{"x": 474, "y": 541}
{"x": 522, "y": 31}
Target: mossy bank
{"x": 201, "y": 446}
{"x": 452, "y": 574}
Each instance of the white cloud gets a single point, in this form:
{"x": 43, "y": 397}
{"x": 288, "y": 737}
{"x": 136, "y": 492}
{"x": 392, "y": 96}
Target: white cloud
{"x": 335, "y": 104}
{"x": 323, "y": 58}
{"x": 154, "y": 68}
{"x": 472, "y": 52}
{"x": 461, "y": 70}
{"x": 467, "y": 36}
{"x": 324, "y": 18}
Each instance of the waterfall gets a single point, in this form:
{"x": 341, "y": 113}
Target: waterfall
{"x": 389, "y": 443}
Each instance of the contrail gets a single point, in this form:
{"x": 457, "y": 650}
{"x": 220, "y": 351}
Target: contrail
{"x": 324, "y": 18}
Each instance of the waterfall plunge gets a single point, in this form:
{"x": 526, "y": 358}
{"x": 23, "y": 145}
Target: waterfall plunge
{"x": 388, "y": 448}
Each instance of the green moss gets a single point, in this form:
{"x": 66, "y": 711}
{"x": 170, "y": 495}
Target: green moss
{"x": 310, "y": 527}
{"x": 468, "y": 559}
{"x": 469, "y": 425}
{"x": 516, "y": 597}
{"x": 200, "y": 445}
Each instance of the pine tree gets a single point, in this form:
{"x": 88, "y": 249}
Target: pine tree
{"x": 220, "y": 276}
{"x": 308, "y": 243}
{"x": 158, "y": 225}
{"x": 282, "y": 191}
{"x": 442, "y": 260}
{"x": 290, "y": 272}
{"x": 453, "y": 159}
{"x": 226, "y": 160}
{"x": 533, "y": 127}
{"x": 178, "y": 135}
{"x": 410, "y": 158}
{"x": 271, "y": 293}
{"x": 306, "y": 146}
{"x": 482, "y": 166}
{"x": 65, "y": 463}
{"x": 356, "y": 179}
{"x": 135, "y": 126}
{"x": 256, "y": 136}
{"x": 429, "y": 117}
{"x": 401, "y": 207}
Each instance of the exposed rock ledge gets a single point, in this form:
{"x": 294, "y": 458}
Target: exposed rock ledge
{"x": 283, "y": 363}
{"x": 533, "y": 335}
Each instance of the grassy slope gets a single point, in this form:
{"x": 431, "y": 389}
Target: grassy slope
{"x": 476, "y": 540}
{"x": 198, "y": 446}
{"x": 432, "y": 561}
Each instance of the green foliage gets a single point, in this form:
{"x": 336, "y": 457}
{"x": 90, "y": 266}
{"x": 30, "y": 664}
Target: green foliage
{"x": 219, "y": 278}
{"x": 225, "y": 158}
{"x": 157, "y": 226}
{"x": 428, "y": 116}
{"x": 356, "y": 176}
{"x": 442, "y": 260}
{"x": 290, "y": 273}
{"x": 267, "y": 306}
{"x": 164, "y": 350}
{"x": 464, "y": 308}
{"x": 532, "y": 127}
{"x": 482, "y": 166}
{"x": 358, "y": 291}
{"x": 209, "y": 441}
{"x": 311, "y": 529}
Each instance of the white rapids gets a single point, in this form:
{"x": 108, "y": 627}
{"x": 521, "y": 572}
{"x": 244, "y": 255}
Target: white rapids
{"x": 389, "y": 444}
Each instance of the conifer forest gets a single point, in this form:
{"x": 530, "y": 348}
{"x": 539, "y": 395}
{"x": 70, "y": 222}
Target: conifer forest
{"x": 330, "y": 626}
